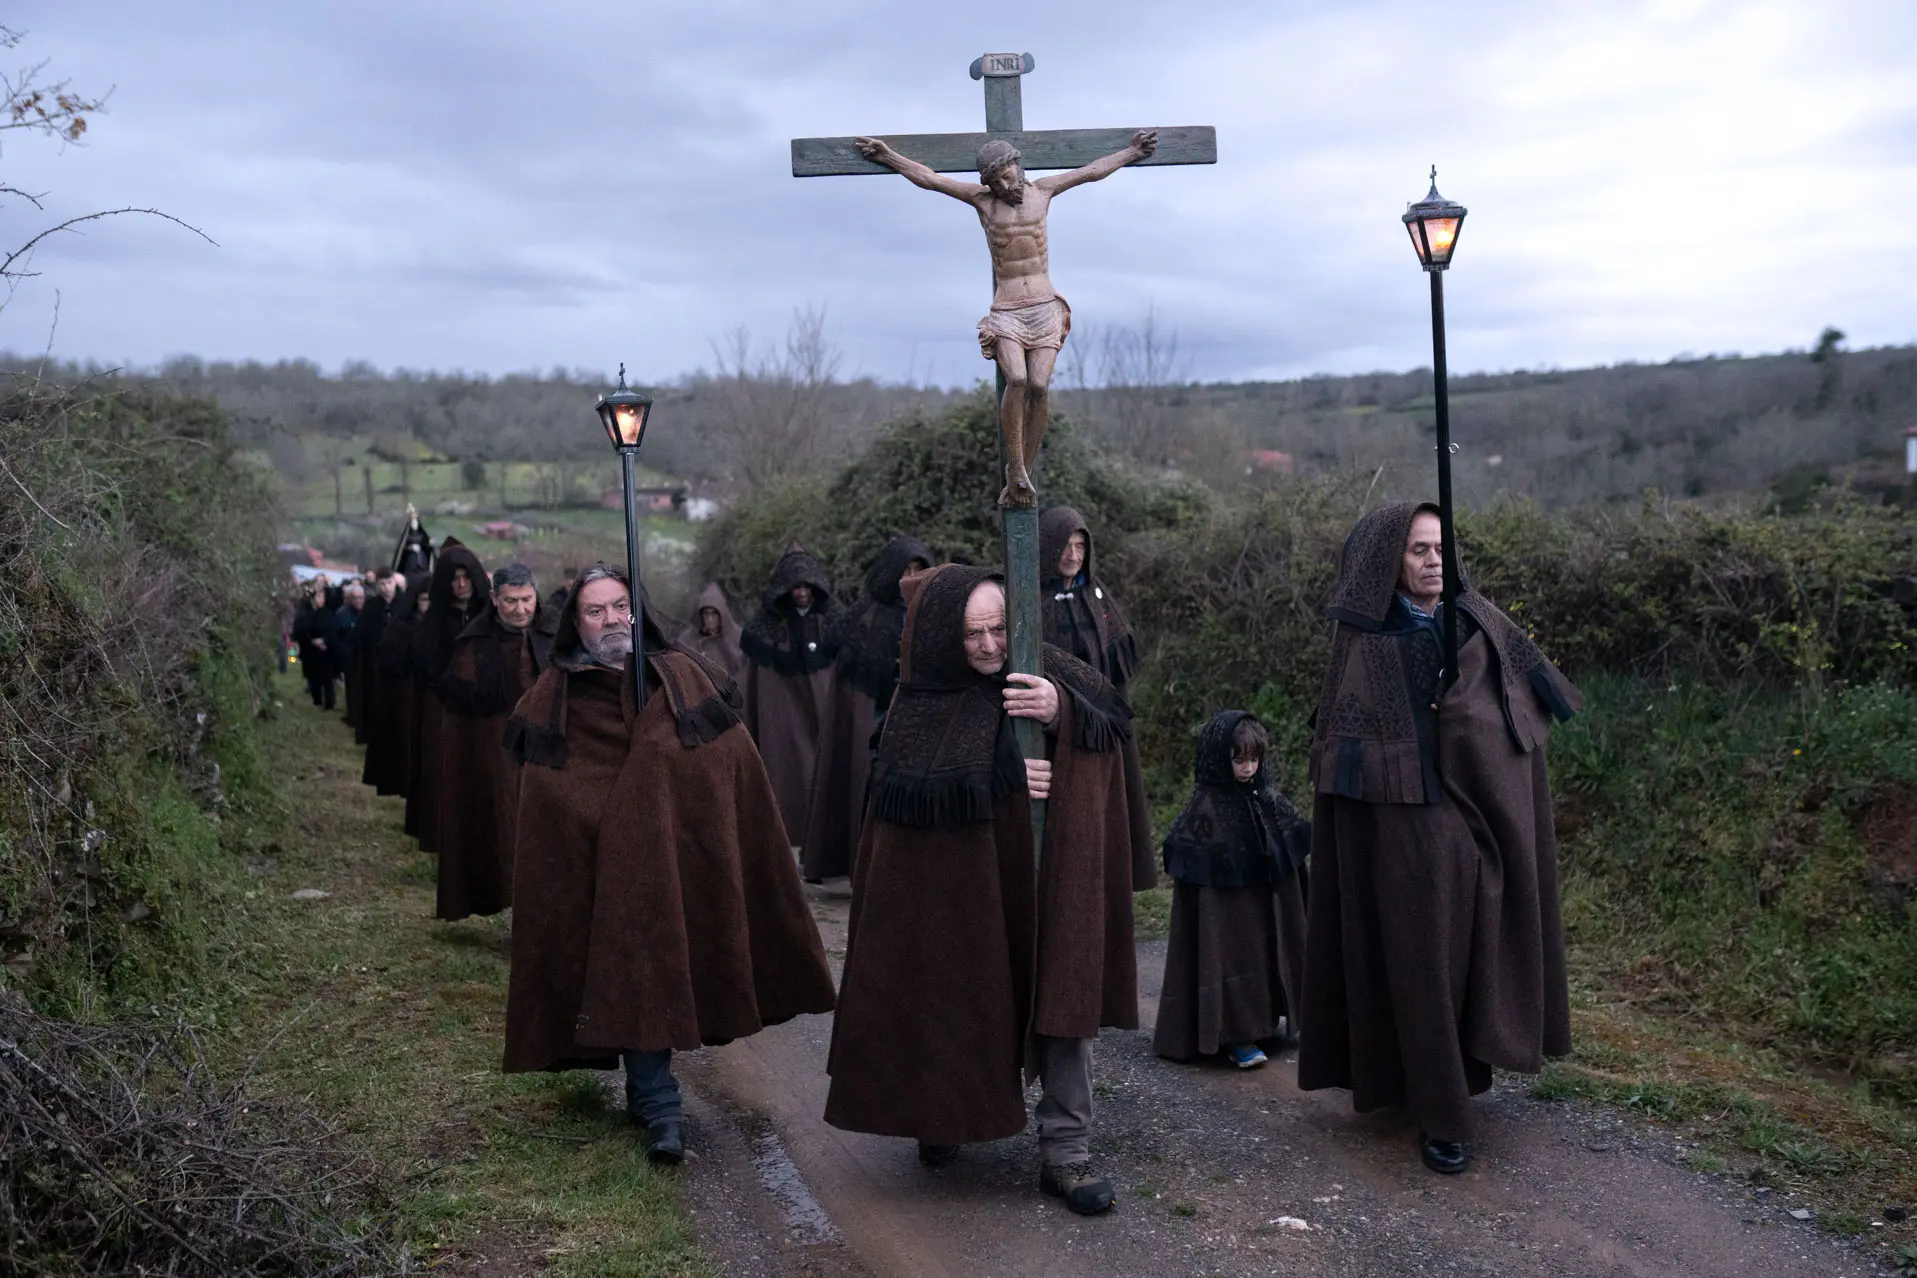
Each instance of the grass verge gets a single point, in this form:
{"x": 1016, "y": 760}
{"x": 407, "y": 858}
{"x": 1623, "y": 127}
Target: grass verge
{"x": 364, "y": 1006}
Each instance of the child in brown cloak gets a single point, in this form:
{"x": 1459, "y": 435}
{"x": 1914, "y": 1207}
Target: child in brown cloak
{"x": 788, "y": 678}
{"x": 1236, "y": 854}
{"x": 656, "y": 906}
{"x": 1435, "y": 948}
{"x": 1082, "y": 618}
{"x": 715, "y": 634}
{"x": 960, "y": 971}
{"x": 864, "y": 645}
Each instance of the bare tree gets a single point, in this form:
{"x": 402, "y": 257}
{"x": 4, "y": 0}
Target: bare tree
{"x": 775, "y": 403}
{"x": 1136, "y": 372}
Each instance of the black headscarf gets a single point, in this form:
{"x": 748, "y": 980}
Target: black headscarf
{"x": 1233, "y": 833}
{"x": 864, "y": 639}
{"x": 948, "y": 754}
{"x": 776, "y": 639}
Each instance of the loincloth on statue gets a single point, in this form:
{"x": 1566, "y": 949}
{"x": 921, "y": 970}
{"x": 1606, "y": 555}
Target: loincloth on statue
{"x": 1042, "y": 326}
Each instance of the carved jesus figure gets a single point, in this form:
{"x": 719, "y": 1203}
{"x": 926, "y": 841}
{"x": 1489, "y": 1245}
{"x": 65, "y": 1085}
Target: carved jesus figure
{"x": 1026, "y": 327}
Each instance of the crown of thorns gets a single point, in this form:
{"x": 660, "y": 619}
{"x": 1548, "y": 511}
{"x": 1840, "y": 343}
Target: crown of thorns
{"x": 995, "y": 155}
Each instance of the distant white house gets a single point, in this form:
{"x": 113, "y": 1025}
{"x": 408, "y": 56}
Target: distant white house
{"x": 1910, "y": 450}
{"x": 700, "y": 509}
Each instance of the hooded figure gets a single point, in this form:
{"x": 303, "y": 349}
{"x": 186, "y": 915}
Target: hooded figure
{"x": 961, "y": 973}
{"x": 364, "y": 676}
{"x": 491, "y": 668}
{"x": 1435, "y": 950}
{"x": 433, "y": 637}
{"x": 864, "y": 643}
{"x": 721, "y": 647}
{"x": 656, "y": 905}
{"x": 1236, "y": 856}
{"x": 1082, "y": 618}
{"x": 389, "y": 737}
{"x": 788, "y": 678}
{"x": 414, "y": 553}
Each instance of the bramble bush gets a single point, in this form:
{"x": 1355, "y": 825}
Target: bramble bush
{"x": 137, "y": 589}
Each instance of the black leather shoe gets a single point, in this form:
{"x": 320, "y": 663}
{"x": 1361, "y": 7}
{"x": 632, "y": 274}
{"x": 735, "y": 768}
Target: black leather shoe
{"x": 1446, "y": 1157}
{"x": 665, "y": 1144}
{"x": 1084, "y": 1191}
{"x": 937, "y": 1155}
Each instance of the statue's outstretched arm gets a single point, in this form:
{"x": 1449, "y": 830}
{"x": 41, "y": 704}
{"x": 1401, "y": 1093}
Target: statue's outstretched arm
{"x": 1144, "y": 142}
{"x": 879, "y": 151}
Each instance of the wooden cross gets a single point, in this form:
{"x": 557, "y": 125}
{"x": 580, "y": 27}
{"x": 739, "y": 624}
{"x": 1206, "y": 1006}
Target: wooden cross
{"x": 1039, "y": 149}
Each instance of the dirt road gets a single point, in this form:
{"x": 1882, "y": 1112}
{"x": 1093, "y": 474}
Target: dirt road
{"x": 1216, "y": 1170}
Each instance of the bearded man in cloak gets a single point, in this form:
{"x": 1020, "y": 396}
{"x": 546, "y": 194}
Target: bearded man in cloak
{"x": 656, "y": 904}
{"x": 964, "y": 975}
{"x": 788, "y": 679}
{"x": 495, "y": 661}
{"x": 864, "y": 643}
{"x": 389, "y": 742}
{"x": 1083, "y": 618}
{"x": 459, "y": 597}
{"x": 1434, "y": 948}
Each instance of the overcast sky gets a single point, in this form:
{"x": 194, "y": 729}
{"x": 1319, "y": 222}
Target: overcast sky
{"x": 498, "y": 187}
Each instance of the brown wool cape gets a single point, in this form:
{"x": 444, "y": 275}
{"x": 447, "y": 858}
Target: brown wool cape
{"x": 788, "y": 681}
{"x": 864, "y": 644}
{"x": 723, "y": 648}
{"x": 1234, "y": 962}
{"x": 491, "y": 668}
{"x": 1082, "y": 618}
{"x": 952, "y": 963}
{"x": 362, "y": 678}
{"x": 1435, "y": 948}
{"x": 388, "y": 737}
{"x": 433, "y": 637}
{"x": 655, "y": 901}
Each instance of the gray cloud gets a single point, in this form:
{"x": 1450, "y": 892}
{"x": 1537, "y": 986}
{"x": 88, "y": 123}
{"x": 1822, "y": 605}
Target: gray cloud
{"x": 492, "y": 186}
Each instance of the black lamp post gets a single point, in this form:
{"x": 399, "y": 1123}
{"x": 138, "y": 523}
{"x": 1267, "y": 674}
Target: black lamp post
{"x": 623, "y": 413}
{"x": 1433, "y": 223}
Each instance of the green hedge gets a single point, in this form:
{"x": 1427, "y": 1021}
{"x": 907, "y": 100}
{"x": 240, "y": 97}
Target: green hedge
{"x": 137, "y": 594}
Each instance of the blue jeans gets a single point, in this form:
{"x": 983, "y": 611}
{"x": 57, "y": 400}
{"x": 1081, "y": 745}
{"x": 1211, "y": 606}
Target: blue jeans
{"x": 652, "y": 1093}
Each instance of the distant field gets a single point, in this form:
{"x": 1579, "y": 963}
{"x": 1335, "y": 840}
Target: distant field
{"x": 362, "y": 484}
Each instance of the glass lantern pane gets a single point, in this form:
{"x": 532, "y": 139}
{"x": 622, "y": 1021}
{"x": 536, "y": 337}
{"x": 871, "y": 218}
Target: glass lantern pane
{"x": 631, "y": 422}
{"x": 1417, "y": 241}
{"x": 1443, "y": 234}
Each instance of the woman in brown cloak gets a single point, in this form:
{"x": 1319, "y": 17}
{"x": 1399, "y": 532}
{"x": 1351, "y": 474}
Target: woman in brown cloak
{"x": 788, "y": 678}
{"x": 1236, "y": 854}
{"x": 1082, "y": 618}
{"x": 495, "y": 661}
{"x": 715, "y": 634}
{"x": 656, "y": 905}
{"x": 459, "y": 596}
{"x": 1435, "y": 949}
{"x": 389, "y": 747}
{"x": 959, "y": 971}
{"x": 864, "y": 643}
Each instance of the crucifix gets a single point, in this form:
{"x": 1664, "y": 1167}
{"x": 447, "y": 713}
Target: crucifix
{"x": 1028, "y": 321}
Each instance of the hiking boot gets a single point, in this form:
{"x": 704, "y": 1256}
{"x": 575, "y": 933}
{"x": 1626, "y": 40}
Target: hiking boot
{"x": 1446, "y": 1157}
{"x": 1245, "y": 1055}
{"x": 937, "y": 1155}
{"x": 1083, "y": 1190}
{"x": 665, "y": 1144}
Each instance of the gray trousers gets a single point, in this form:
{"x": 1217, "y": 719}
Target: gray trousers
{"x": 1065, "y": 1106}
{"x": 652, "y": 1093}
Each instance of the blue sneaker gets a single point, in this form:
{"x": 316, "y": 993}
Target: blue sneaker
{"x": 1245, "y": 1055}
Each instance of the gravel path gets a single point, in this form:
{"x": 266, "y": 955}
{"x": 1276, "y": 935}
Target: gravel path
{"x": 1216, "y": 1170}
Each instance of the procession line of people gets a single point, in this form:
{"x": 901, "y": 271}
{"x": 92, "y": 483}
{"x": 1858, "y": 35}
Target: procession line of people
{"x": 650, "y": 814}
